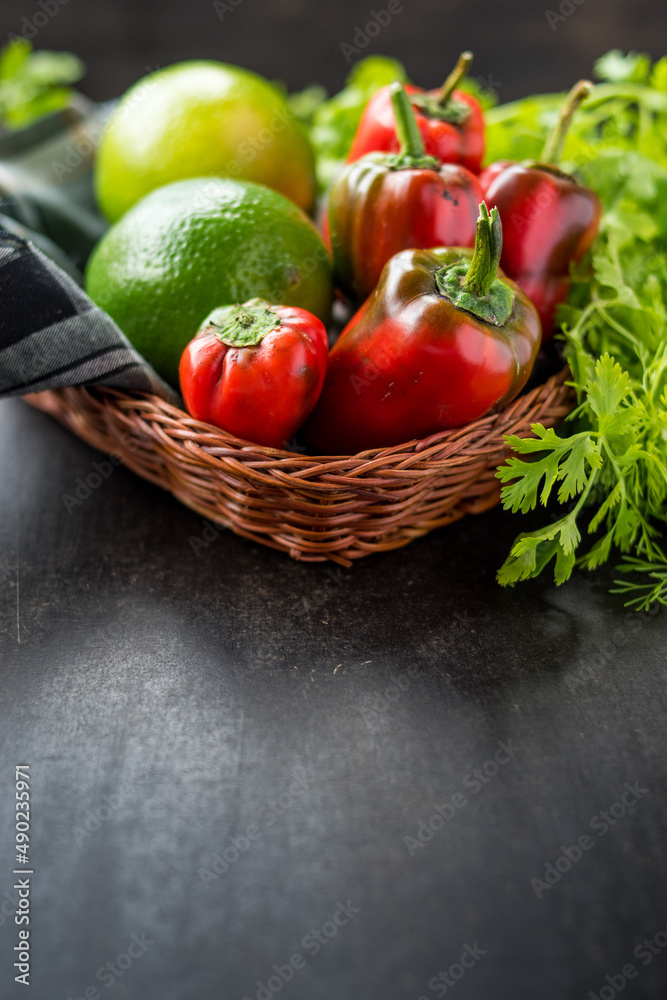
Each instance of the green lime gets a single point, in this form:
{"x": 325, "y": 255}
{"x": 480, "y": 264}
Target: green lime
{"x": 194, "y": 245}
{"x": 199, "y": 119}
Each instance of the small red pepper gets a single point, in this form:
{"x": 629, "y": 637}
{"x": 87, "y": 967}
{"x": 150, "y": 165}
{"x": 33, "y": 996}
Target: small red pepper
{"x": 384, "y": 203}
{"x": 450, "y": 122}
{"x": 255, "y": 370}
{"x": 549, "y": 219}
{"x": 443, "y": 340}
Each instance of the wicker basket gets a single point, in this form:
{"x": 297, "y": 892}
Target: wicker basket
{"x": 313, "y": 508}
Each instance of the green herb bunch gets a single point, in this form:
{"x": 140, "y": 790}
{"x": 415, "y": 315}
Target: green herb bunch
{"x": 607, "y": 465}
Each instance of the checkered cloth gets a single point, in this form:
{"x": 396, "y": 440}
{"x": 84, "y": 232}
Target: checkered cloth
{"x": 51, "y": 333}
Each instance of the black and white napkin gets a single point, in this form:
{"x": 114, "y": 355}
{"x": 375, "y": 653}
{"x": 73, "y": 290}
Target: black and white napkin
{"x": 52, "y": 335}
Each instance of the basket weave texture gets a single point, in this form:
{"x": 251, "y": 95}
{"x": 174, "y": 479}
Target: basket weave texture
{"x": 314, "y": 508}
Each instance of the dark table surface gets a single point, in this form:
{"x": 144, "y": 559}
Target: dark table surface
{"x": 226, "y": 746}
{"x": 233, "y": 754}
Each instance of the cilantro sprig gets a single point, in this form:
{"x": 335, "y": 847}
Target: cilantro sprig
{"x": 34, "y": 84}
{"x": 612, "y": 475}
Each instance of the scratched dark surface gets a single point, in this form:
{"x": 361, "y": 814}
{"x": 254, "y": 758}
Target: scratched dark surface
{"x": 174, "y": 703}
{"x": 199, "y": 687}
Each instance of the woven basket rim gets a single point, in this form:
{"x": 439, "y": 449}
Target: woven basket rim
{"x": 489, "y": 426}
{"x": 336, "y": 507}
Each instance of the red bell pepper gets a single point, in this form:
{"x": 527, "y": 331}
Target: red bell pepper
{"x": 444, "y": 339}
{"x": 450, "y": 122}
{"x": 388, "y": 202}
{"x": 550, "y": 220}
{"x": 255, "y": 370}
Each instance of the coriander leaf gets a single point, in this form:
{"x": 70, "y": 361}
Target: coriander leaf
{"x": 528, "y": 560}
{"x": 654, "y": 585}
{"x": 374, "y": 72}
{"x": 631, "y": 68}
{"x": 34, "y": 84}
{"x": 563, "y": 459}
{"x": 333, "y": 122}
{"x": 584, "y": 452}
{"x": 606, "y": 391}
{"x": 532, "y": 552}
{"x": 46, "y": 69}
{"x": 13, "y": 56}
{"x": 659, "y": 75}
{"x": 525, "y": 478}
{"x": 630, "y": 224}
{"x": 306, "y": 102}
{"x": 485, "y": 96}
{"x": 599, "y": 553}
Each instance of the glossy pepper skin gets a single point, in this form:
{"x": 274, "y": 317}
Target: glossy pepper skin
{"x": 255, "y": 370}
{"x": 549, "y": 220}
{"x": 413, "y": 362}
{"x": 489, "y": 174}
{"x": 450, "y": 121}
{"x": 383, "y": 204}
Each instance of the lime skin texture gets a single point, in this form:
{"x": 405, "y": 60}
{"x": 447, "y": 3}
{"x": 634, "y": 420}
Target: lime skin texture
{"x": 196, "y": 119}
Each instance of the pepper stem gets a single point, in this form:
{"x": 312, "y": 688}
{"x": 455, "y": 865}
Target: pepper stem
{"x": 407, "y": 130}
{"x": 454, "y": 78}
{"x": 553, "y": 148}
{"x": 486, "y": 255}
{"x": 242, "y": 325}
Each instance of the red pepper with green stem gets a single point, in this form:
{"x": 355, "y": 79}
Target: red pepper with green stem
{"x": 255, "y": 370}
{"x": 550, "y": 220}
{"x": 450, "y": 122}
{"x": 388, "y": 202}
{"x": 444, "y": 339}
